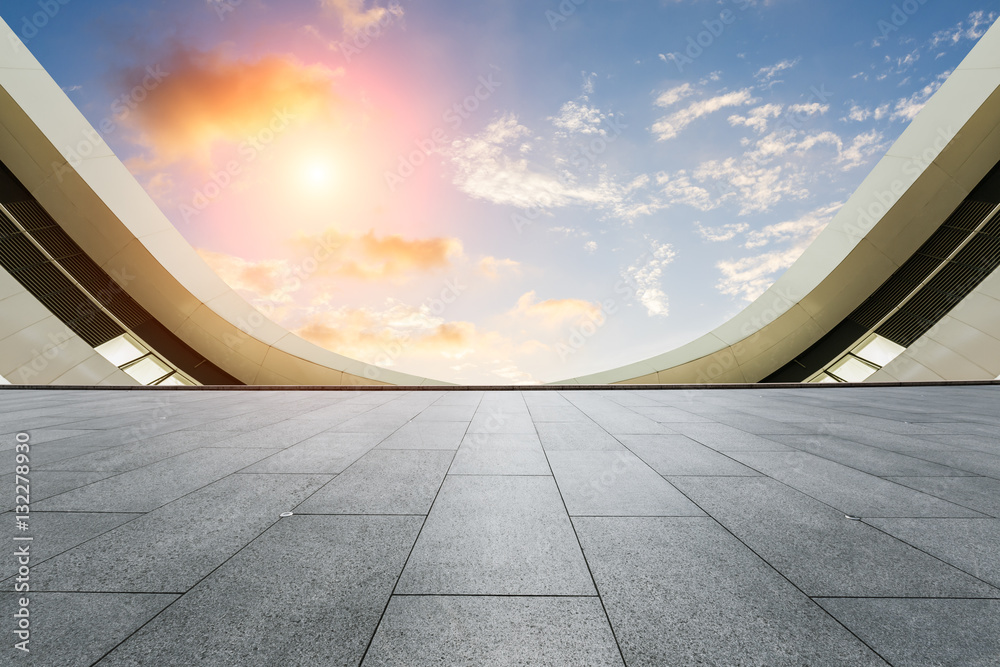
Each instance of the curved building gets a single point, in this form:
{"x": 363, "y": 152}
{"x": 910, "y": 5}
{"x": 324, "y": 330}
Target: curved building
{"x": 99, "y": 288}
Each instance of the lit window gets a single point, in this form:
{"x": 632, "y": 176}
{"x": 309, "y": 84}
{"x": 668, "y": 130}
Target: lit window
{"x": 148, "y": 370}
{"x": 852, "y": 369}
{"x": 176, "y": 380}
{"x": 825, "y": 378}
{"x": 878, "y": 350}
{"x": 4, "y": 380}
{"x": 121, "y": 350}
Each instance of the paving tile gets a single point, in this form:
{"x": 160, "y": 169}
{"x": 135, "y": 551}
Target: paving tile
{"x": 557, "y": 413}
{"x": 497, "y": 536}
{"x": 977, "y": 493}
{"x": 447, "y": 413}
{"x": 850, "y": 491}
{"x": 583, "y": 436}
{"x": 501, "y": 419}
{"x": 725, "y": 438}
{"x": 324, "y": 453}
{"x": 683, "y": 591}
{"x": 818, "y": 549}
{"x": 755, "y": 424}
{"x": 48, "y": 483}
{"x": 661, "y": 413}
{"x": 615, "y": 484}
{"x": 77, "y": 628}
{"x": 56, "y": 532}
{"x": 154, "y": 485}
{"x": 435, "y": 630}
{"x": 924, "y": 633}
{"x": 500, "y": 454}
{"x": 292, "y": 597}
{"x": 134, "y": 455}
{"x": 680, "y": 455}
{"x": 383, "y": 482}
{"x": 281, "y": 434}
{"x": 979, "y": 463}
{"x": 971, "y": 545}
{"x": 865, "y": 458}
{"x": 172, "y": 548}
{"x": 426, "y": 435}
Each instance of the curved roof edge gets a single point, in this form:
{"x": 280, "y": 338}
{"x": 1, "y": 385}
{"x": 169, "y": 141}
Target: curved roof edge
{"x": 941, "y": 156}
{"x": 68, "y": 167}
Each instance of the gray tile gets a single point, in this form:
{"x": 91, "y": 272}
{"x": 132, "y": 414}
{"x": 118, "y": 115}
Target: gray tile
{"x": 447, "y": 413}
{"x": 755, "y": 424}
{"x": 662, "y": 414}
{"x": 818, "y": 549}
{"x": 583, "y": 436}
{"x": 557, "y": 413}
{"x": 683, "y": 591}
{"x": 309, "y": 591}
{"x": 497, "y": 536}
{"x": 971, "y": 545}
{"x": 726, "y": 438}
{"x": 275, "y": 436}
{"x": 48, "y": 483}
{"x": 980, "y": 443}
{"x": 172, "y": 548}
{"x": 324, "y": 453}
{"x": 680, "y": 455}
{"x": 135, "y": 455}
{"x": 924, "y": 633}
{"x": 850, "y": 491}
{"x": 56, "y": 532}
{"x": 383, "y": 482}
{"x": 65, "y": 629}
{"x": 500, "y": 454}
{"x": 435, "y": 630}
{"x": 979, "y": 463}
{"x": 501, "y": 419}
{"x": 427, "y": 435}
{"x": 977, "y": 493}
{"x": 615, "y": 484}
{"x": 150, "y": 487}
{"x": 863, "y": 457}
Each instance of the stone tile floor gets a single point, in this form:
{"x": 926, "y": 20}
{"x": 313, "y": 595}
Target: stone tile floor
{"x": 819, "y": 526}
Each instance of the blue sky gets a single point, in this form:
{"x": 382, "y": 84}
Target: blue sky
{"x": 503, "y": 191}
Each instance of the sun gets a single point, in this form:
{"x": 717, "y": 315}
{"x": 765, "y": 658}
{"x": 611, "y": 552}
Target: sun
{"x": 318, "y": 174}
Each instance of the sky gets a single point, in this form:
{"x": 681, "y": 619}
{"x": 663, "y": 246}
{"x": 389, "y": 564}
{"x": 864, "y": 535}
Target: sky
{"x": 499, "y": 191}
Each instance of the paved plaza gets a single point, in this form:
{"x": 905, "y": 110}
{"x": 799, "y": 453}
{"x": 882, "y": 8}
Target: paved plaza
{"x": 810, "y": 526}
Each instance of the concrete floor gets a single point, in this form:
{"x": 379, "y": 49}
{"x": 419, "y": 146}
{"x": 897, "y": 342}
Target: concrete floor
{"x": 829, "y": 526}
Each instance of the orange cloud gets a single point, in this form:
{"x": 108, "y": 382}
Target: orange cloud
{"x": 199, "y": 98}
{"x": 368, "y": 257}
{"x": 269, "y": 279}
{"x": 491, "y": 267}
{"x": 554, "y": 312}
{"x": 355, "y": 18}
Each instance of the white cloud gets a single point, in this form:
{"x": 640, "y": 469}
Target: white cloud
{"x": 907, "y": 108}
{"x": 756, "y": 119}
{"x": 860, "y": 114}
{"x": 674, "y": 95}
{"x": 645, "y": 275}
{"x": 767, "y": 74}
{"x": 355, "y": 18}
{"x": 758, "y": 187}
{"x": 577, "y": 118}
{"x": 670, "y": 126}
{"x": 973, "y": 27}
{"x": 749, "y": 277}
{"x": 723, "y": 233}
{"x": 862, "y": 148}
{"x": 590, "y": 246}
{"x": 680, "y": 190}
{"x": 491, "y": 166}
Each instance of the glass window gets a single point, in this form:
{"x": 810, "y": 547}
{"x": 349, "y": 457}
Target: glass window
{"x": 4, "y": 380}
{"x": 176, "y": 380}
{"x": 148, "y": 370}
{"x": 825, "y": 378}
{"x": 852, "y": 369}
{"x": 121, "y": 350}
{"x": 878, "y": 350}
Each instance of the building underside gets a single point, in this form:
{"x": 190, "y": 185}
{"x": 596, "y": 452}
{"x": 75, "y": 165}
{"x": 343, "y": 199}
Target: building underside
{"x": 99, "y": 288}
